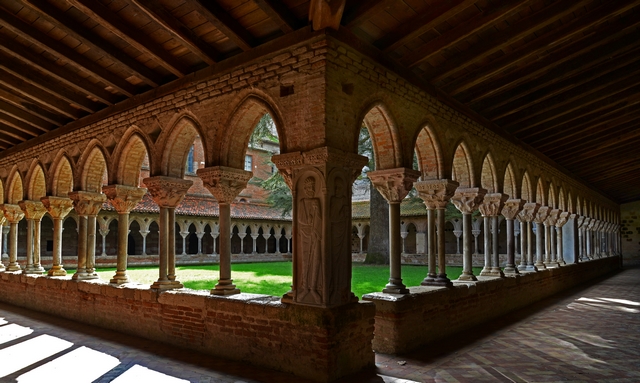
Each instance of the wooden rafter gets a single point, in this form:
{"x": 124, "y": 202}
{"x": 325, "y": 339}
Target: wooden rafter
{"x": 217, "y": 16}
{"x": 280, "y": 14}
{"x": 15, "y": 128}
{"x": 13, "y": 97}
{"x": 36, "y": 124}
{"x": 598, "y": 140}
{"x": 360, "y": 11}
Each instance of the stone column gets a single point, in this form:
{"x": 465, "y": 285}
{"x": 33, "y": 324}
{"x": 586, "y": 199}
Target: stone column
{"x": 14, "y": 215}
{"x": 579, "y": 224}
{"x": 490, "y": 208}
{"x": 200, "y": 234}
{"x": 5, "y": 240}
{"x": 103, "y": 234}
{"x": 123, "y": 199}
{"x": 225, "y": 184}
{"x": 516, "y": 233}
{"x": 320, "y": 182}
{"x": 550, "y": 224}
{"x": 529, "y": 211}
{"x": 436, "y": 194}
{"x": 58, "y": 208}
{"x": 543, "y": 213}
{"x": 510, "y": 211}
{"x": 467, "y": 201}
{"x": 394, "y": 185}
{"x": 2, "y": 220}
{"x": 33, "y": 212}
{"x": 254, "y": 237}
{"x": 184, "y": 235}
{"x": 144, "y": 234}
{"x": 563, "y": 218}
{"x": 167, "y": 192}
{"x": 475, "y": 230}
{"x": 215, "y": 235}
{"x": 87, "y": 205}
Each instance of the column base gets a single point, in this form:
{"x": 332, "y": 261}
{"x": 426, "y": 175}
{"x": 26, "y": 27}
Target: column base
{"x": 429, "y": 280}
{"x": 2, "y": 268}
{"x": 119, "y": 279}
{"x": 551, "y": 265}
{"x": 561, "y": 263}
{"x": 487, "y": 272}
{"x": 34, "y": 270}
{"x": 57, "y": 271}
{"x": 395, "y": 286}
{"x": 511, "y": 270}
{"x": 440, "y": 281}
{"x": 467, "y": 277}
{"x": 166, "y": 285}
{"x": 540, "y": 266}
{"x": 527, "y": 268}
{"x": 13, "y": 266}
{"x": 225, "y": 287}
{"x": 496, "y": 272}
{"x": 84, "y": 276}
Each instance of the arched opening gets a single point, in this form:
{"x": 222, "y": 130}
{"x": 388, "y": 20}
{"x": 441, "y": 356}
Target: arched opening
{"x": 428, "y": 157}
{"x": 261, "y": 242}
{"x": 15, "y": 191}
{"x": 271, "y": 242}
{"x": 510, "y": 188}
{"x": 62, "y": 179}
{"x": 488, "y": 179}
{"x": 153, "y": 239}
{"x": 540, "y": 194}
{"x": 247, "y": 241}
{"x": 207, "y": 240}
{"x": 70, "y": 237}
{"x": 94, "y": 171}
{"x": 236, "y": 242}
{"x": 192, "y": 240}
{"x": 552, "y": 197}
{"x": 527, "y": 192}
{"x": 134, "y": 244}
{"x": 111, "y": 247}
{"x": 134, "y": 157}
{"x": 462, "y": 170}
{"x": 37, "y": 187}
{"x": 410, "y": 240}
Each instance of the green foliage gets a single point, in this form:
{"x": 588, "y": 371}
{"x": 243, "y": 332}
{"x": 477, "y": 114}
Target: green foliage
{"x": 365, "y": 148}
{"x": 265, "y": 130}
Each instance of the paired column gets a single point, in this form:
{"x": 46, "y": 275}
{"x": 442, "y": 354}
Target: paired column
{"x": 320, "y": 182}
{"x": 58, "y": 208}
{"x": 510, "y": 211}
{"x": 123, "y": 199}
{"x": 563, "y": 218}
{"x": 491, "y": 206}
{"x": 225, "y": 184}
{"x": 87, "y": 206}
{"x": 550, "y": 238}
{"x": 167, "y": 193}
{"x": 527, "y": 215}
{"x": 13, "y": 214}
{"x": 467, "y": 201}
{"x": 540, "y": 217}
{"x": 2, "y": 220}
{"x": 436, "y": 194}
{"x": 394, "y": 185}
{"x": 33, "y": 212}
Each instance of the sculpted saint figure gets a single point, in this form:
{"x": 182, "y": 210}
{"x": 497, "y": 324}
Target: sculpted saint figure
{"x": 310, "y": 224}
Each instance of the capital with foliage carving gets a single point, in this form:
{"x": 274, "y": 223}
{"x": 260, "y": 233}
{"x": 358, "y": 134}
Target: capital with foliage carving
{"x": 224, "y": 183}
{"x": 167, "y": 192}
{"x": 529, "y": 211}
{"x": 124, "y": 198}
{"x": 542, "y": 214}
{"x": 12, "y": 213}
{"x": 58, "y": 207}
{"x": 512, "y": 207}
{"x": 581, "y": 220}
{"x": 394, "y": 184}
{"x": 552, "y": 218}
{"x": 467, "y": 200}
{"x": 34, "y": 210}
{"x": 563, "y": 218}
{"x": 436, "y": 193}
{"x": 87, "y": 203}
{"x": 492, "y": 204}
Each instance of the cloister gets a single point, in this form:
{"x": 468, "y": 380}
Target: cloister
{"x": 320, "y": 82}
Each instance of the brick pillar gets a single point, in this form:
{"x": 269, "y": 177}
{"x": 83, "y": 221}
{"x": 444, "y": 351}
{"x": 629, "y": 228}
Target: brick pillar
{"x": 436, "y": 194}
{"x": 320, "y": 182}
{"x": 467, "y": 201}
{"x": 225, "y": 184}
{"x": 528, "y": 213}
{"x": 490, "y": 208}
{"x": 394, "y": 185}
{"x": 13, "y": 214}
{"x": 167, "y": 192}
{"x": 550, "y": 247}
{"x": 510, "y": 211}
{"x": 563, "y": 217}
{"x": 123, "y": 199}
{"x": 87, "y": 205}
{"x": 539, "y": 218}
{"x": 58, "y": 208}
{"x": 33, "y": 212}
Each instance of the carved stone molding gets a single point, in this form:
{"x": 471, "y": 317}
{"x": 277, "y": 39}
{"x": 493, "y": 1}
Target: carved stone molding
{"x": 394, "y": 184}
{"x": 529, "y": 211}
{"x": 124, "y": 198}
{"x": 563, "y": 218}
{"x": 13, "y": 213}
{"x": 552, "y": 218}
{"x": 33, "y": 209}
{"x": 492, "y": 204}
{"x": 581, "y": 220}
{"x": 512, "y": 207}
{"x": 58, "y": 207}
{"x": 87, "y": 203}
{"x": 436, "y": 193}
{"x": 167, "y": 191}
{"x": 224, "y": 183}
{"x": 467, "y": 200}
{"x": 542, "y": 214}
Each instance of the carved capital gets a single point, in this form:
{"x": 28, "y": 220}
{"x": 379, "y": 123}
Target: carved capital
{"x": 492, "y": 204}
{"x": 33, "y": 209}
{"x": 167, "y": 191}
{"x": 436, "y": 193}
{"x": 529, "y": 211}
{"x": 224, "y": 183}
{"x": 394, "y": 184}
{"x": 542, "y": 214}
{"x": 12, "y": 213}
{"x": 58, "y": 207}
{"x": 563, "y": 217}
{"x": 512, "y": 207}
{"x": 87, "y": 203}
{"x": 580, "y": 220}
{"x": 124, "y": 198}
{"x": 552, "y": 218}
{"x": 467, "y": 200}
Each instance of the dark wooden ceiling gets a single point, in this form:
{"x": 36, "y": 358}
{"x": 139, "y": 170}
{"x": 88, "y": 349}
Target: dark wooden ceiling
{"x": 561, "y": 76}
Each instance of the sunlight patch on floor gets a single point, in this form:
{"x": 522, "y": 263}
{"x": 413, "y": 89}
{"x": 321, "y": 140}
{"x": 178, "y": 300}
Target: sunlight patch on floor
{"x": 23, "y": 354}
{"x": 606, "y": 303}
{"x": 13, "y": 331}
{"x": 82, "y": 365}
{"x": 622, "y": 301}
{"x": 137, "y": 374}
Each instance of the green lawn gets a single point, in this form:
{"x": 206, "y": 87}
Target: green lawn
{"x": 274, "y": 278}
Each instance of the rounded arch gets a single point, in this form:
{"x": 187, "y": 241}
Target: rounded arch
{"x": 462, "y": 168}
{"x": 15, "y": 188}
{"x": 383, "y": 131}
{"x": 488, "y": 177}
{"x": 36, "y": 183}
{"x": 527, "y": 191}
{"x": 429, "y": 154}
{"x": 61, "y": 175}
{"x": 129, "y": 156}
{"x": 177, "y": 144}
{"x": 241, "y": 123}
{"x": 93, "y": 168}
{"x": 540, "y": 193}
{"x": 510, "y": 188}
{"x": 551, "y": 199}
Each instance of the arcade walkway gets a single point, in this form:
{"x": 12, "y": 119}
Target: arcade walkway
{"x": 589, "y": 334}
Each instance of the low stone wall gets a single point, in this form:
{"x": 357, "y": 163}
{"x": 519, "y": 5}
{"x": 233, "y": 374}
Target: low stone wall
{"x": 405, "y": 322}
{"x": 423, "y": 259}
{"x": 314, "y": 343}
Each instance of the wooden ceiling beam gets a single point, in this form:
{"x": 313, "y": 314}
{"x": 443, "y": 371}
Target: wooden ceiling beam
{"x": 420, "y": 24}
{"x": 79, "y": 32}
{"x": 627, "y": 171}
{"x": 9, "y": 136}
{"x": 38, "y": 126}
{"x": 226, "y": 24}
{"x": 503, "y": 38}
{"x": 132, "y": 36}
{"x": 356, "y": 14}
{"x": 11, "y": 96}
{"x": 15, "y": 128}
{"x": 596, "y": 140}
{"x": 280, "y": 14}
{"x": 178, "y": 30}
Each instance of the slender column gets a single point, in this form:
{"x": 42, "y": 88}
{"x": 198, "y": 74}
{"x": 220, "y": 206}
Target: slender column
{"x": 241, "y": 235}
{"x": 495, "y": 264}
{"x": 87, "y": 205}
{"x": 475, "y": 230}
{"x": 5, "y": 241}
{"x": 144, "y": 234}
{"x": 486, "y": 270}
{"x": 184, "y": 235}
{"x": 33, "y": 212}
{"x": 278, "y": 236}
{"x": 167, "y": 192}
{"x": 527, "y": 215}
{"x": 516, "y": 233}
{"x": 466, "y": 201}
{"x": 539, "y": 219}
{"x": 14, "y": 215}
{"x": 510, "y": 211}
{"x": 215, "y": 235}
{"x": 254, "y": 237}
{"x": 523, "y": 245}
{"x": 58, "y": 208}
{"x": 563, "y": 217}
{"x": 103, "y": 234}
{"x": 225, "y": 184}
{"x": 491, "y": 206}
{"x": 200, "y": 235}
{"x": 2, "y": 220}
{"x": 550, "y": 224}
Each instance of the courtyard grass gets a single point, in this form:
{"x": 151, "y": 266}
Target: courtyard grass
{"x": 274, "y": 278}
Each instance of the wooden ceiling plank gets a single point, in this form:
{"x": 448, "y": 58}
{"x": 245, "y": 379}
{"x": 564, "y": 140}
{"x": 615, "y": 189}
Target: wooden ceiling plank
{"x": 537, "y": 46}
{"x": 70, "y": 79}
{"x": 479, "y": 23}
{"x": 226, "y": 24}
{"x": 14, "y": 98}
{"x": 504, "y": 38}
{"x": 15, "y": 128}
{"x": 17, "y": 113}
{"x": 132, "y": 36}
{"x": 178, "y": 30}
{"x": 60, "y": 50}
{"x": 355, "y": 14}
{"x": 599, "y": 140}
{"x": 605, "y": 154}
{"x": 280, "y": 14}
{"x": 420, "y": 24}
{"x": 76, "y": 30}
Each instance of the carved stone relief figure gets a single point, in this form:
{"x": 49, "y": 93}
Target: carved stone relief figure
{"x": 310, "y": 228}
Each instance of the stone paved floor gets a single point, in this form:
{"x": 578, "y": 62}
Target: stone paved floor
{"x": 588, "y": 334}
